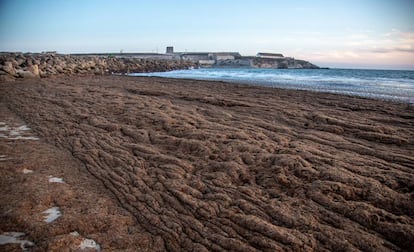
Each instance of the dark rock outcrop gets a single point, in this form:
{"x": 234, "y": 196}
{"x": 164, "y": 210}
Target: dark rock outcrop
{"x": 282, "y": 63}
{"x": 259, "y": 62}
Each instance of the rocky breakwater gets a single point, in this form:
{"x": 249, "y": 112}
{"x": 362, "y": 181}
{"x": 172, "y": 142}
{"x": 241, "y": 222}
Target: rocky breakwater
{"x": 259, "y": 62}
{"x": 39, "y": 65}
{"x": 282, "y": 63}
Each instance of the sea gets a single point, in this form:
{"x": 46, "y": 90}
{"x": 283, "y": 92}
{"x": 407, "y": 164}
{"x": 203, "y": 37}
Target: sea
{"x": 394, "y": 85}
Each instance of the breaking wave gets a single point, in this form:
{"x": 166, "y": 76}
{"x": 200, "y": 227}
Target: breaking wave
{"x": 395, "y": 85}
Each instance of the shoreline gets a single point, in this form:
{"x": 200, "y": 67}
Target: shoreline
{"x": 322, "y": 92}
{"x": 205, "y": 165}
{"x": 262, "y": 85}
{"x": 378, "y": 84}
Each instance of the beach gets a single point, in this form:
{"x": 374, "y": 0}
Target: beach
{"x": 157, "y": 164}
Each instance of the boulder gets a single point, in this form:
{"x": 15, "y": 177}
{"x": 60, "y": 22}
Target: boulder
{"x": 29, "y": 62}
{"x": 43, "y": 65}
{"x": 43, "y": 74}
{"x": 8, "y": 68}
{"x": 20, "y": 61}
{"x": 34, "y": 69}
{"x": 99, "y": 71}
{"x": 25, "y": 74}
{"x": 59, "y": 69}
{"x": 14, "y": 62}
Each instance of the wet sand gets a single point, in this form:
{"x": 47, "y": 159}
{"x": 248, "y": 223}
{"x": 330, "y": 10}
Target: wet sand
{"x": 157, "y": 164}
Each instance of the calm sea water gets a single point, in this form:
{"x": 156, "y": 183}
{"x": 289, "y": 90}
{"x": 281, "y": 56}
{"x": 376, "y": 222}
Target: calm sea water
{"x": 381, "y": 84}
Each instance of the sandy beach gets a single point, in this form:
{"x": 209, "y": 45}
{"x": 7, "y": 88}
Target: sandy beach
{"x": 153, "y": 164}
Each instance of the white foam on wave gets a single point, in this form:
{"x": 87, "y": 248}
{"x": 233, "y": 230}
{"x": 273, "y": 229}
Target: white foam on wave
{"x": 380, "y": 84}
{"x": 14, "y": 238}
{"x": 52, "y": 214}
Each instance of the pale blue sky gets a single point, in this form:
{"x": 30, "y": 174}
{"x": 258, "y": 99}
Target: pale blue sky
{"x": 352, "y": 33}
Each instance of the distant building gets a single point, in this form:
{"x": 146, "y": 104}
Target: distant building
{"x": 206, "y": 62}
{"x": 224, "y": 56}
{"x": 169, "y": 50}
{"x": 195, "y": 56}
{"x": 127, "y": 55}
{"x": 270, "y": 55}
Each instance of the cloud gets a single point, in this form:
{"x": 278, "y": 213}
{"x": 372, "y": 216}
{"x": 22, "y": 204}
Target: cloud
{"x": 395, "y": 41}
{"x": 353, "y": 47}
{"x": 394, "y": 33}
{"x": 392, "y": 50}
{"x": 409, "y": 50}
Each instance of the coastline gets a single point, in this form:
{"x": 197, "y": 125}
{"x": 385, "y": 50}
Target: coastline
{"x": 212, "y": 165}
{"x": 378, "y": 84}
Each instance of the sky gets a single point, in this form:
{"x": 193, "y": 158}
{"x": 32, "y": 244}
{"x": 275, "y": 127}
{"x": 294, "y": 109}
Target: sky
{"x": 329, "y": 33}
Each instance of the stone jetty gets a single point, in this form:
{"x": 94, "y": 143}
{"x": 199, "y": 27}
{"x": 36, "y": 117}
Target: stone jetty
{"x": 40, "y": 65}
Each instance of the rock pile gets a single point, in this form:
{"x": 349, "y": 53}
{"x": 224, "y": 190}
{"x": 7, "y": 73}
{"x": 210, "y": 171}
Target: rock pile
{"x": 282, "y": 63}
{"x": 18, "y": 65}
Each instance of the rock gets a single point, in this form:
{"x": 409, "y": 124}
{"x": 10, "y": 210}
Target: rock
{"x": 99, "y": 71}
{"x": 25, "y": 74}
{"x": 29, "y": 62}
{"x": 20, "y": 61}
{"x": 59, "y": 69}
{"x": 14, "y": 62}
{"x": 45, "y": 65}
{"x": 43, "y": 74}
{"x": 8, "y": 68}
{"x": 34, "y": 69}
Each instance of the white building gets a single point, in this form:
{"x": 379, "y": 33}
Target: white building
{"x": 224, "y": 55}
